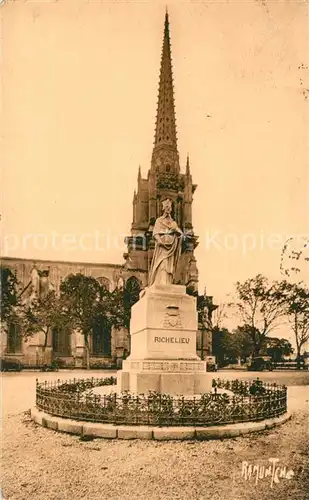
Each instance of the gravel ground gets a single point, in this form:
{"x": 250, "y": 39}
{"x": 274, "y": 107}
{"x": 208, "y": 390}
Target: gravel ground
{"x": 42, "y": 464}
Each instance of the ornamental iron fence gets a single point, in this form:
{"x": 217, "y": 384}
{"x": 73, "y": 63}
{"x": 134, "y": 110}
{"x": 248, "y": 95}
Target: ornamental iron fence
{"x": 75, "y": 399}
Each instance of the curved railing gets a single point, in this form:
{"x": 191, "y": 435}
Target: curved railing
{"x": 74, "y": 399}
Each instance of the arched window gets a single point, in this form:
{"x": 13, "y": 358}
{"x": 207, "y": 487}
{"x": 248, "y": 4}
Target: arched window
{"x": 120, "y": 283}
{"x": 132, "y": 291}
{"x": 61, "y": 342}
{"x": 133, "y": 285}
{"x": 14, "y": 339}
{"x": 101, "y": 339}
{"x": 105, "y": 282}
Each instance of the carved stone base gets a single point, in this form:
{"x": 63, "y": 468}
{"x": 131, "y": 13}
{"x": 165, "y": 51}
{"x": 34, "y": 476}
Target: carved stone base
{"x": 163, "y": 345}
{"x": 172, "y": 383}
{"x": 164, "y": 324}
{"x": 164, "y": 365}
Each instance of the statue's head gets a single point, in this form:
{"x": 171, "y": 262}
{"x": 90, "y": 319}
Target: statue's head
{"x": 167, "y": 206}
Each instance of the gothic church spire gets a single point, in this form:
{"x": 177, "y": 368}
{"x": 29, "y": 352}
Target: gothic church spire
{"x": 165, "y": 130}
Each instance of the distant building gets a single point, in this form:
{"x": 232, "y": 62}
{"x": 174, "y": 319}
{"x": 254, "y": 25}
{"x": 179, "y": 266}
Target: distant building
{"x": 105, "y": 346}
{"x": 164, "y": 180}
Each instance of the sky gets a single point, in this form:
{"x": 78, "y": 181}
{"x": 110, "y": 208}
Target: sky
{"x": 79, "y": 81}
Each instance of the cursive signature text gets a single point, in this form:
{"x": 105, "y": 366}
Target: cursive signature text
{"x": 272, "y": 470}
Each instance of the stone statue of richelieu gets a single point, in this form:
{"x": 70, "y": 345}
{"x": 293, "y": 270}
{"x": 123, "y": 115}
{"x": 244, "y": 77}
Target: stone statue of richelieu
{"x": 168, "y": 246}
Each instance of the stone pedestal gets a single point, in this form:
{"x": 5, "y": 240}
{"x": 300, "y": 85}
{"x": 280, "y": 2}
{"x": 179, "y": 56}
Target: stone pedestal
{"x": 163, "y": 345}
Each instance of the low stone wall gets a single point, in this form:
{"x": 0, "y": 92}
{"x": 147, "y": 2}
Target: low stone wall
{"x": 110, "y": 431}
{"x": 96, "y": 362}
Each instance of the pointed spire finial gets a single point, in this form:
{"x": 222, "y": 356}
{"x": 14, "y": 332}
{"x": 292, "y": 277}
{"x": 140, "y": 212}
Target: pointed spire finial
{"x": 188, "y": 165}
{"x": 166, "y": 24}
{"x": 165, "y": 133}
{"x": 139, "y": 172}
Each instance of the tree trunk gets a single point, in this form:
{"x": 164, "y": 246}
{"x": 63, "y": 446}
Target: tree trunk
{"x": 298, "y": 346}
{"x": 44, "y": 346}
{"x": 87, "y": 351}
{"x": 258, "y": 341}
{"x": 256, "y": 350}
{"x": 298, "y": 358}
{"x": 255, "y": 343}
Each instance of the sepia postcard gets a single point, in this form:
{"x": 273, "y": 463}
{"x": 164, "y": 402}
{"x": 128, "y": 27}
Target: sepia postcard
{"x": 154, "y": 249}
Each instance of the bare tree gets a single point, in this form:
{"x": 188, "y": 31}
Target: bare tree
{"x": 298, "y": 314}
{"x": 261, "y": 305}
{"x": 219, "y": 315}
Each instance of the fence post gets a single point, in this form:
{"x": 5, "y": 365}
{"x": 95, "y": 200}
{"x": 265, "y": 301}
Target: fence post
{"x": 115, "y": 408}
{"x": 272, "y": 398}
{"x": 36, "y": 390}
{"x": 137, "y": 410}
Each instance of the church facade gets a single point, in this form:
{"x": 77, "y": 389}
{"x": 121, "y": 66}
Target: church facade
{"x": 165, "y": 179}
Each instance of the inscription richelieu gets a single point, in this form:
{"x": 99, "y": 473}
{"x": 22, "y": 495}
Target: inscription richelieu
{"x": 173, "y": 340}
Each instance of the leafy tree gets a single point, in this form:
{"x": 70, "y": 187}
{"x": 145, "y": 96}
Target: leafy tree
{"x": 230, "y": 346}
{"x": 80, "y": 295}
{"x": 297, "y": 310}
{"x": 129, "y": 296}
{"x": 113, "y": 308}
{"x": 244, "y": 342}
{"x": 218, "y": 344}
{"x": 277, "y": 348}
{"x": 261, "y": 306}
{"x": 43, "y": 314}
{"x": 86, "y": 302}
{"x": 9, "y": 295}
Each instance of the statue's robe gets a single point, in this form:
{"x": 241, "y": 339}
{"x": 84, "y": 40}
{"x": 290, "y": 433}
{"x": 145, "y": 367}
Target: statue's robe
{"x": 167, "y": 251}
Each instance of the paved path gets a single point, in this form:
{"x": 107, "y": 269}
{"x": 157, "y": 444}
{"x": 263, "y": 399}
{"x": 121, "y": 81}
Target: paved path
{"x": 42, "y": 464}
{"x": 18, "y": 389}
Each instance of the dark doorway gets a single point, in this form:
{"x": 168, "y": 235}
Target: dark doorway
{"x": 14, "y": 339}
{"x": 101, "y": 339}
{"x": 61, "y": 342}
